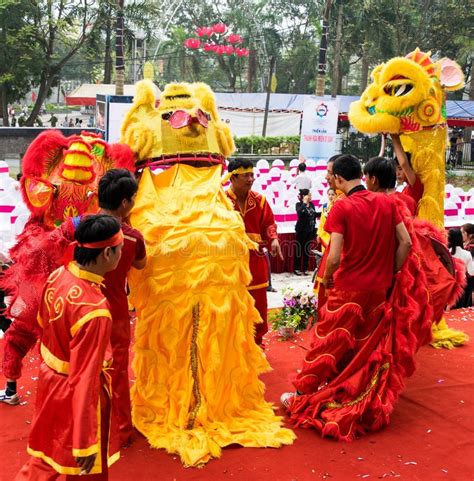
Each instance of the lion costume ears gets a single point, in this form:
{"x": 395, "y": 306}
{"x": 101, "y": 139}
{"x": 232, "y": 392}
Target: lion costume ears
{"x": 451, "y": 75}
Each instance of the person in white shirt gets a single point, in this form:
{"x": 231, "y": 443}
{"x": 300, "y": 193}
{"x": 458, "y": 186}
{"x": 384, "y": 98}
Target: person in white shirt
{"x": 455, "y": 244}
{"x": 302, "y": 181}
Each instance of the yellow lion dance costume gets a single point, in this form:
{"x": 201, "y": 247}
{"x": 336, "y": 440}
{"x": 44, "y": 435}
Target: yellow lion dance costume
{"x": 196, "y": 362}
{"x": 407, "y": 97}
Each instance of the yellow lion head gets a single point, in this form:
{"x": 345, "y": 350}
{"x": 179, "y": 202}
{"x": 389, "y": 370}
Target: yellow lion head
{"x": 185, "y": 124}
{"x": 406, "y": 95}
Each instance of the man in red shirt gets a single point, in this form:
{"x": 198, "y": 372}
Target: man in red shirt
{"x": 352, "y": 374}
{"x": 260, "y": 227}
{"x": 72, "y": 432}
{"x": 117, "y": 192}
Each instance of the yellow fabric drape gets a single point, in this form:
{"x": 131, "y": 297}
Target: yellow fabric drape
{"x": 196, "y": 362}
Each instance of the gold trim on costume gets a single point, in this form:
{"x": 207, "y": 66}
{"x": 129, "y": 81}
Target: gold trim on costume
{"x": 88, "y": 317}
{"x": 82, "y": 453}
{"x": 194, "y": 369}
{"x": 39, "y": 319}
{"x": 130, "y": 238}
{"x": 57, "y": 467}
{"x": 53, "y": 362}
{"x": 75, "y": 270}
{"x": 258, "y": 286}
{"x": 321, "y": 355}
{"x": 372, "y": 384}
{"x": 255, "y": 237}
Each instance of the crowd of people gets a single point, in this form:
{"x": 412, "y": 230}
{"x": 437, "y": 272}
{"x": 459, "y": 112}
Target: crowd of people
{"x": 363, "y": 344}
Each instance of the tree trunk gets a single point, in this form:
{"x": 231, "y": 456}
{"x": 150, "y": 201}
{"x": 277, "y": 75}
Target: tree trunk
{"x": 471, "y": 85}
{"x": 119, "y": 60}
{"x": 337, "y": 54}
{"x": 323, "y": 50}
{"x": 45, "y": 85}
{"x": 251, "y": 70}
{"x": 4, "y": 105}
{"x": 108, "y": 52}
{"x": 365, "y": 66}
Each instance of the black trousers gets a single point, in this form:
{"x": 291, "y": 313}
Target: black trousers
{"x": 303, "y": 246}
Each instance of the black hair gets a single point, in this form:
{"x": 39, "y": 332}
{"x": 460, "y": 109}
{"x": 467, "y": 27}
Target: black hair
{"x": 383, "y": 169}
{"x": 454, "y": 239}
{"x": 331, "y": 188}
{"x": 348, "y": 167}
{"x": 333, "y": 158}
{"x": 468, "y": 229}
{"x": 236, "y": 163}
{"x": 302, "y": 167}
{"x": 408, "y": 154}
{"x": 93, "y": 228}
{"x": 115, "y": 186}
{"x": 302, "y": 193}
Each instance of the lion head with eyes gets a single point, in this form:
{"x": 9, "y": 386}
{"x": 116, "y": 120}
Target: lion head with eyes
{"x": 407, "y": 95}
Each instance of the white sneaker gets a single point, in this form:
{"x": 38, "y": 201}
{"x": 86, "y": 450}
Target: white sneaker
{"x": 12, "y": 399}
{"x": 286, "y": 398}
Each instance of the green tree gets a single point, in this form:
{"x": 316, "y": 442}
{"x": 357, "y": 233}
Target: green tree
{"x": 18, "y": 54}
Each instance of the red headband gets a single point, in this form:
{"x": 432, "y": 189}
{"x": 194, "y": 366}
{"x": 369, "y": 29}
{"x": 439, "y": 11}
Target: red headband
{"x": 113, "y": 241}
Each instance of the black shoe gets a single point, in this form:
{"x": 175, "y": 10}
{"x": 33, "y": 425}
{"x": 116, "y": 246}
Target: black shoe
{"x": 271, "y": 289}
{"x": 297, "y": 273}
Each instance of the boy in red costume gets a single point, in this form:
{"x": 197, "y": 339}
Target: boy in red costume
{"x": 117, "y": 191}
{"x": 71, "y": 433}
{"x": 354, "y": 369}
{"x": 260, "y": 227}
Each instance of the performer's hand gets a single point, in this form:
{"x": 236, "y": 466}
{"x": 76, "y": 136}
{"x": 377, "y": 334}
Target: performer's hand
{"x": 86, "y": 463}
{"x": 276, "y": 249}
{"x": 328, "y": 282}
{"x": 306, "y": 199}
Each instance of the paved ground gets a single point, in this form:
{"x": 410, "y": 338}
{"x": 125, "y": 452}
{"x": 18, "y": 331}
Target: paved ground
{"x": 287, "y": 279}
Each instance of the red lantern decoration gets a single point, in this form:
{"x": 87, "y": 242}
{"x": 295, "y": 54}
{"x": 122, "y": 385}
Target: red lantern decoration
{"x": 193, "y": 43}
{"x": 229, "y": 49}
{"x": 208, "y": 47}
{"x": 241, "y": 52}
{"x": 219, "y": 28}
{"x": 234, "y": 38}
{"x": 204, "y": 31}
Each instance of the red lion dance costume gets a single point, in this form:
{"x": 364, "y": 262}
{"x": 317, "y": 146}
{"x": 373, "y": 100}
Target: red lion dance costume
{"x": 60, "y": 178}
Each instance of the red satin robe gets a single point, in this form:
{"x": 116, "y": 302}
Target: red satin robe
{"x": 73, "y": 405}
{"x": 261, "y": 228}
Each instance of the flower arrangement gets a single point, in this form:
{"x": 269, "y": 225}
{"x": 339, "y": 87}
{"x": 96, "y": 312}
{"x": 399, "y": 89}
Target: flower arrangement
{"x": 299, "y": 310}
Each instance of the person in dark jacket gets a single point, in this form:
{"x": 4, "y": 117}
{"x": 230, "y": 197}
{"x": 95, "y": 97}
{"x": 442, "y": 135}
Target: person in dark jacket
{"x": 305, "y": 231}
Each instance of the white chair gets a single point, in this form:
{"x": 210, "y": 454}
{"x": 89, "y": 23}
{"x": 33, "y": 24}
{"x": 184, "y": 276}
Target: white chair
{"x": 263, "y": 166}
{"x": 469, "y": 210}
{"x": 321, "y": 165}
{"x": 310, "y": 165}
{"x": 294, "y": 163}
{"x": 279, "y": 164}
{"x": 451, "y": 214}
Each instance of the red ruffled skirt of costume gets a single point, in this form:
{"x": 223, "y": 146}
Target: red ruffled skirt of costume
{"x": 362, "y": 350}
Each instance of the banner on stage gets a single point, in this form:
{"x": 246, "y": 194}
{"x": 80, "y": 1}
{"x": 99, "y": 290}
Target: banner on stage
{"x": 319, "y": 128}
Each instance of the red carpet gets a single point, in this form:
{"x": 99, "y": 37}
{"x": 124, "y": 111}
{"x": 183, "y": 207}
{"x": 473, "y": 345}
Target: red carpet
{"x": 430, "y": 438}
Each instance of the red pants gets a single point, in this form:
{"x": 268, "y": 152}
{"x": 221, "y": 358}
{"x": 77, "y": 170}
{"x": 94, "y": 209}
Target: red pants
{"x": 120, "y": 340}
{"x": 260, "y": 297}
{"x": 20, "y": 337}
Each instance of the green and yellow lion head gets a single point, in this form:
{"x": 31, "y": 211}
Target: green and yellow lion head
{"x": 184, "y": 125}
{"x": 407, "y": 94}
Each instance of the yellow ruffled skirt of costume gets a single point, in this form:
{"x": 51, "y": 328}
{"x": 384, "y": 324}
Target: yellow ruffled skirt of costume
{"x": 196, "y": 363}
{"x": 447, "y": 337}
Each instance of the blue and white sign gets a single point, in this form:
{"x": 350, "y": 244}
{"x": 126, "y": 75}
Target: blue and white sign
{"x": 319, "y": 128}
